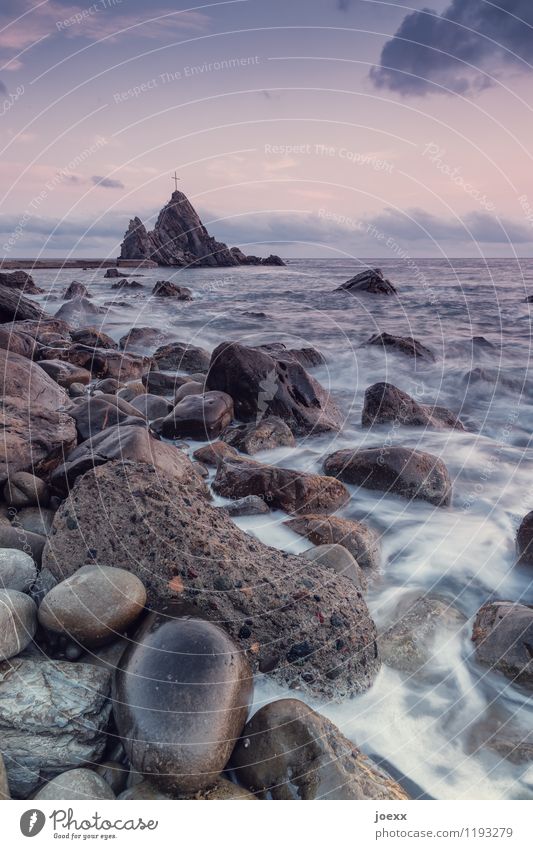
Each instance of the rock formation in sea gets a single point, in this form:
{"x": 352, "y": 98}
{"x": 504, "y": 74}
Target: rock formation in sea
{"x": 180, "y": 239}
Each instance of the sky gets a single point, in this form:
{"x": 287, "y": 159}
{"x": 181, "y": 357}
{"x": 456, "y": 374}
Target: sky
{"x": 338, "y": 128}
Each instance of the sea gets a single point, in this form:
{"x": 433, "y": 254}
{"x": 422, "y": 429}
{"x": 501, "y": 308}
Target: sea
{"x": 457, "y": 730}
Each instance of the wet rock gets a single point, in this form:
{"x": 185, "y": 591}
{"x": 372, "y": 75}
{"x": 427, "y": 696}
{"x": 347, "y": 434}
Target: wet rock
{"x": 262, "y": 386}
{"x": 251, "y": 505}
{"x": 53, "y": 716}
{"x": 19, "y": 280}
{"x": 96, "y": 414}
{"x": 524, "y": 540}
{"x": 65, "y": 374}
{"x": 115, "y": 774}
{"x": 152, "y": 406}
{"x": 76, "y": 784}
{"x": 198, "y": 416}
{"x": 180, "y": 356}
{"x": 127, "y": 284}
{"x": 386, "y": 403}
{"x": 337, "y": 558}
{"x": 94, "y": 605}
{"x": 113, "y": 272}
{"x": 283, "y": 489}
{"x": 394, "y": 470}
{"x": 18, "y": 622}
{"x": 37, "y": 520}
{"x": 79, "y": 311}
{"x": 127, "y": 443}
{"x": 93, "y": 337}
{"x": 166, "y": 289}
{"x": 212, "y": 453}
{"x": 407, "y": 345}
{"x": 23, "y": 379}
{"x": 267, "y": 434}
{"x": 77, "y": 390}
{"x": 361, "y": 541}
{"x": 143, "y": 790}
{"x": 369, "y": 280}
{"x": 291, "y": 752}
{"x": 34, "y": 440}
{"x": 23, "y": 489}
{"x": 17, "y": 570}
{"x": 131, "y": 391}
{"x": 224, "y": 790}
{"x": 503, "y": 637}
{"x": 192, "y": 387}
{"x": 187, "y": 662}
{"x": 18, "y": 343}
{"x": 46, "y": 330}
{"x": 15, "y": 307}
{"x": 75, "y": 290}
{"x": 225, "y": 574}
{"x": 409, "y": 644}
{"x": 306, "y": 357}
{"x": 4, "y": 785}
{"x": 12, "y": 537}
{"x": 160, "y": 383}
{"x": 138, "y": 339}
{"x": 102, "y": 362}
{"x": 500, "y": 734}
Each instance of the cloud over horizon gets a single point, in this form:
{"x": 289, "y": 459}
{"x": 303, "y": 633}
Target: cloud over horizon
{"x": 458, "y": 50}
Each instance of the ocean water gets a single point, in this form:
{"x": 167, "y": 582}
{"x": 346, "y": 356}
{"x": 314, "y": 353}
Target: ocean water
{"x": 423, "y": 726}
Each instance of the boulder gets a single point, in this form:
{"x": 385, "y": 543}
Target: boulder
{"x": 409, "y": 643}
{"x": 151, "y": 406}
{"x": 65, "y": 374}
{"x": 37, "y": 520}
{"x": 97, "y": 413}
{"x": 93, "y": 337}
{"x": 288, "y": 751}
{"x": 4, "y": 784}
{"x": 12, "y": 537}
{"x": 159, "y": 383}
{"x": 127, "y": 443}
{"x": 503, "y": 637}
{"x": 338, "y": 558}
{"x": 407, "y": 345}
{"x": 17, "y": 570}
{"x": 192, "y": 387}
{"x": 113, "y": 272}
{"x": 75, "y": 290}
{"x": 53, "y": 716}
{"x": 386, "y": 403}
{"x": 250, "y": 505}
{"x": 370, "y": 280}
{"x": 271, "y": 432}
{"x": 211, "y": 454}
{"x": 198, "y": 416}
{"x": 524, "y": 540}
{"x": 307, "y": 357}
{"x": 18, "y": 622}
{"x": 115, "y": 774}
{"x": 318, "y": 636}
{"x": 180, "y": 356}
{"x": 138, "y": 339}
{"x": 94, "y": 605}
{"x": 101, "y": 362}
{"x": 20, "y": 280}
{"x": 77, "y": 390}
{"x": 79, "y": 311}
{"x": 43, "y": 329}
{"x": 108, "y": 386}
{"x": 15, "y": 307}
{"x": 262, "y": 386}
{"x": 361, "y": 541}
{"x": 18, "y": 343}
{"x": 23, "y": 489}
{"x": 395, "y": 470}
{"x": 127, "y": 284}
{"x": 284, "y": 489}
{"x": 76, "y": 784}
{"x": 166, "y": 289}
{"x": 131, "y": 390}
{"x": 35, "y": 440}
{"x": 180, "y": 700}
{"x": 21, "y": 378}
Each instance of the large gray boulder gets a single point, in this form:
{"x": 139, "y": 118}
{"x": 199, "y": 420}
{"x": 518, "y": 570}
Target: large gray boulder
{"x": 385, "y": 403}
{"x": 23, "y": 379}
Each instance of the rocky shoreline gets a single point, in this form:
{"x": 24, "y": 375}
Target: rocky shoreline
{"x": 136, "y": 615}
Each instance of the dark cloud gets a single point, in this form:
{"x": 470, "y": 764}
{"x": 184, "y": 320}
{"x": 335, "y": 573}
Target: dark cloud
{"x": 107, "y": 183}
{"x": 455, "y": 49}
{"x": 417, "y": 225}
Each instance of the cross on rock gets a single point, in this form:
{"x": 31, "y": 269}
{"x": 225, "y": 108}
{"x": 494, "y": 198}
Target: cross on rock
{"x": 176, "y": 178}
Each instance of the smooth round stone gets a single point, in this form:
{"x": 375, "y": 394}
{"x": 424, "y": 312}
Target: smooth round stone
{"x": 76, "y": 784}
{"x": 337, "y": 558}
{"x": 94, "y": 605}
{"x": 181, "y": 694}
{"x": 36, "y": 520}
{"x": 143, "y": 790}
{"x": 17, "y": 570}
{"x": 24, "y": 490}
{"x": 18, "y": 622}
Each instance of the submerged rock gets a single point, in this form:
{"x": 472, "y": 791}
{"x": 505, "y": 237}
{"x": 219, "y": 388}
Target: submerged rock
{"x": 369, "y": 280}
{"x": 166, "y": 289}
{"x": 291, "y": 752}
{"x": 283, "y": 489}
{"x": 524, "y": 540}
{"x": 503, "y": 637}
{"x": 75, "y": 290}
{"x": 404, "y": 345}
{"x": 386, "y": 403}
{"x": 318, "y": 636}
{"x": 361, "y": 541}
{"x": 262, "y": 386}
{"x": 397, "y": 470}
{"x": 79, "y": 311}
{"x": 180, "y": 700}
{"x": 94, "y": 605}
{"x": 53, "y": 716}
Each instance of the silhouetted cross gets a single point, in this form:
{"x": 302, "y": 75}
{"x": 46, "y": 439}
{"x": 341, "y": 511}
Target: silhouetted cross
{"x": 176, "y": 178}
